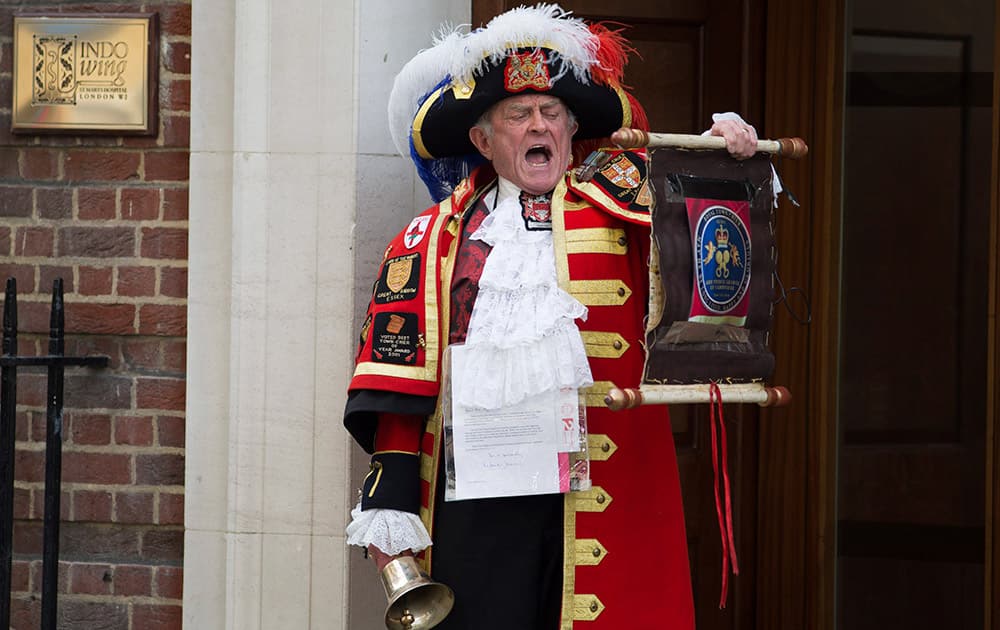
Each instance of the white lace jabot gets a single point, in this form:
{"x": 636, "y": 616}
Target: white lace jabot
{"x": 522, "y": 338}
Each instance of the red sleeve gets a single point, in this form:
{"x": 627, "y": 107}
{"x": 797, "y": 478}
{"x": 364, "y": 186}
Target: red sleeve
{"x": 399, "y": 432}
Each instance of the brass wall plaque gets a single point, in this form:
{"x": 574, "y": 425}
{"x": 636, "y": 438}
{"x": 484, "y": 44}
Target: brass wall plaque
{"x": 85, "y": 73}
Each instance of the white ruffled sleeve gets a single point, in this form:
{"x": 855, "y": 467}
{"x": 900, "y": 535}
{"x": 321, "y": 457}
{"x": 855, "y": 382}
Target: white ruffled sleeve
{"x": 392, "y": 531}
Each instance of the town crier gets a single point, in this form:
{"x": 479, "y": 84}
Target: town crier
{"x": 527, "y": 280}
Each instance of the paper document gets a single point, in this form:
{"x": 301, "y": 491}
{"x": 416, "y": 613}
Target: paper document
{"x": 516, "y": 450}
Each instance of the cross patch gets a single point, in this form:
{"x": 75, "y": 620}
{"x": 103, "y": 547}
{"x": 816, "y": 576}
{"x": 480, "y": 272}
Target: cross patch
{"x": 416, "y": 231}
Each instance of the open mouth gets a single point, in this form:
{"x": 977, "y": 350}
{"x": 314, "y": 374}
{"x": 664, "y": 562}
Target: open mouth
{"x": 538, "y": 155}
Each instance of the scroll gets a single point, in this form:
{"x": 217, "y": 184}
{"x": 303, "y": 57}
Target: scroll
{"x": 712, "y": 266}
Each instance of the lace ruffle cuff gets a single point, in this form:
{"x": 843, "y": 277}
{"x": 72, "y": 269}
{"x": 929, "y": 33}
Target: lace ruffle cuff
{"x": 391, "y": 531}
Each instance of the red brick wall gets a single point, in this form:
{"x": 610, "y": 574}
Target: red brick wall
{"x": 109, "y": 216}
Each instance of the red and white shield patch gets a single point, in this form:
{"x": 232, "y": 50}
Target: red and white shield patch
{"x": 416, "y": 231}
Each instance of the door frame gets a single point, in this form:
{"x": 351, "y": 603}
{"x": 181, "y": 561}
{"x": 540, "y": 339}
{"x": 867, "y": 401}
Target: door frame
{"x": 992, "y": 568}
{"x": 804, "y": 95}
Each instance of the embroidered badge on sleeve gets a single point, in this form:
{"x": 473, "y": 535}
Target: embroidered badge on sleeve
{"x": 399, "y": 279}
{"x": 625, "y": 178}
{"x": 395, "y": 338}
{"x": 416, "y": 231}
{"x": 365, "y": 328}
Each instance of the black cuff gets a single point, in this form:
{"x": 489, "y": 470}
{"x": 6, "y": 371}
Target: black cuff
{"x": 392, "y": 483}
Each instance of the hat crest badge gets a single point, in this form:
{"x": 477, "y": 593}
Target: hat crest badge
{"x": 527, "y": 70}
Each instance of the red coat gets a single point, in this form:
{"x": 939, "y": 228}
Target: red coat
{"x": 625, "y": 551}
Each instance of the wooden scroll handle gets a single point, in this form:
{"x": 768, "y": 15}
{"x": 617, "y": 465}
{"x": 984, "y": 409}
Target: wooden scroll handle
{"x": 635, "y": 138}
{"x": 618, "y": 399}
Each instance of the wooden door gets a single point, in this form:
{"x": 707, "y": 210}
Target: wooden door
{"x": 875, "y": 501}
{"x": 697, "y": 57}
{"x": 911, "y": 480}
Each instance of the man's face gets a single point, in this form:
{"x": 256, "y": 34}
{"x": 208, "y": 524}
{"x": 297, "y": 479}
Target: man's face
{"x": 531, "y": 142}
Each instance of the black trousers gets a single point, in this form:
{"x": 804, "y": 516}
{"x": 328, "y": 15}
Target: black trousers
{"x": 503, "y": 559}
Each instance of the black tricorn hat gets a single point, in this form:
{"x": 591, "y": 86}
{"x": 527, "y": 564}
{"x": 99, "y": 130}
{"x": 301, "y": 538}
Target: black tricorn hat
{"x": 442, "y": 92}
{"x": 440, "y": 127}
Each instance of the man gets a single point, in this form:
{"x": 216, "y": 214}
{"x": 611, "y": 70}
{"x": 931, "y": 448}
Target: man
{"x": 521, "y": 94}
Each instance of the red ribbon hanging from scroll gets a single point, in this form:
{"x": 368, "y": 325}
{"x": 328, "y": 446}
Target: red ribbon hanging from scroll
{"x": 725, "y": 519}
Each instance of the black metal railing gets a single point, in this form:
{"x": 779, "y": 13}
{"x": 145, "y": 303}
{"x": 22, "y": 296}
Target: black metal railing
{"x": 56, "y": 362}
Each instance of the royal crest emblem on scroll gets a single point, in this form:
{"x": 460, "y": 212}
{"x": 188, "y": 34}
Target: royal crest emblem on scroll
{"x": 723, "y": 276}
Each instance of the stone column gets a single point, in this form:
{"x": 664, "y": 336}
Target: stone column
{"x": 273, "y": 156}
{"x": 295, "y": 189}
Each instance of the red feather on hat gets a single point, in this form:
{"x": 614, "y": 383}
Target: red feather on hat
{"x": 612, "y": 56}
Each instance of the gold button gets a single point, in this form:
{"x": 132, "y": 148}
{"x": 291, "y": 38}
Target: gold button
{"x": 593, "y": 606}
{"x": 621, "y": 241}
{"x": 601, "y": 498}
{"x": 621, "y": 292}
{"x": 597, "y": 552}
{"x": 605, "y": 447}
{"x": 617, "y": 344}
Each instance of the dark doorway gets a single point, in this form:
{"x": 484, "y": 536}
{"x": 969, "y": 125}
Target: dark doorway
{"x": 911, "y": 481}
